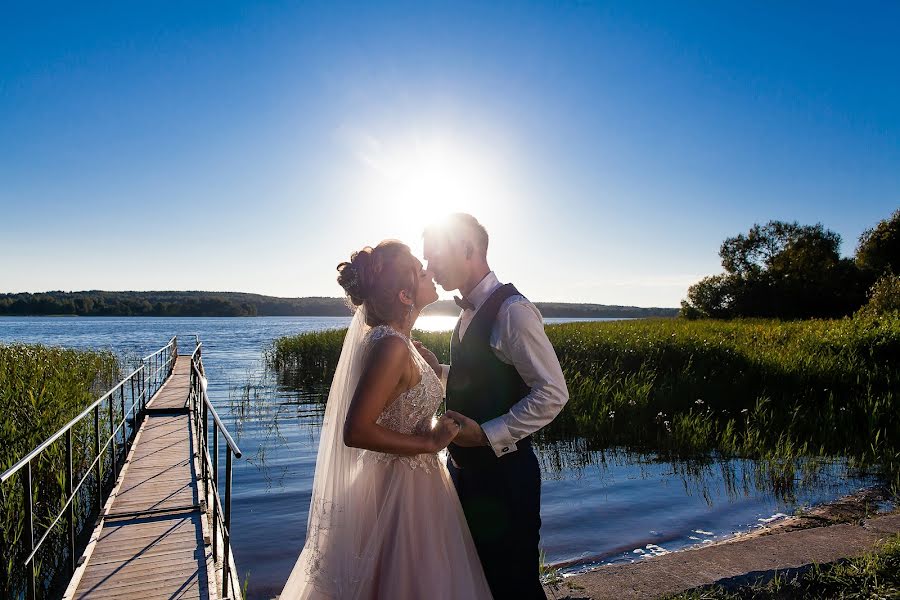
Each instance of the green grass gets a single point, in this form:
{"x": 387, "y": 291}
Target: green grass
{"x": 310, "y": 356}
{"x": 41, "y": 389}
{"x": 874, "y": 575}
{"x": 758, "y": 389}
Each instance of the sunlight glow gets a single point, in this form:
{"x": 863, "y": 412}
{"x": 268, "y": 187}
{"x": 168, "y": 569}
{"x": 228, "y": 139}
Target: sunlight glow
{"x": 435, "y": 323}
{"x": 420, "y": 180}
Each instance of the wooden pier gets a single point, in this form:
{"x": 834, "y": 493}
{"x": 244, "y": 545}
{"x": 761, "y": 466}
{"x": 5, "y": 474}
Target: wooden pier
{"x": 161, "y": 529}
{"x": 153, "y": 540}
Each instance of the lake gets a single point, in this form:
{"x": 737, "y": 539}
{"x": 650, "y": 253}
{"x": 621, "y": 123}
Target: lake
{"x": 598, "y": 507}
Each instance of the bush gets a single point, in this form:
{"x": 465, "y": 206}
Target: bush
{"x": 884, "y": 296}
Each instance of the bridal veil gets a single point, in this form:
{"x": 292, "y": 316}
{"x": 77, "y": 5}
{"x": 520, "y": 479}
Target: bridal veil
{"x": 327, "y": 566}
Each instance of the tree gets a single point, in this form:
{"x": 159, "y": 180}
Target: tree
{"x": 878, "y": 250}
{"x": 711, "y": 297}
{"x": 783, "y": 270}
{"x": 780, "y": 246}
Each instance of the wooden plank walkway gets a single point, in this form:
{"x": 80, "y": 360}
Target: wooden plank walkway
{"x": 151, "y": 542}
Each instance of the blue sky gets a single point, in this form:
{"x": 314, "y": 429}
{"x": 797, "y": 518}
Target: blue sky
{"x": 608, "y": 147}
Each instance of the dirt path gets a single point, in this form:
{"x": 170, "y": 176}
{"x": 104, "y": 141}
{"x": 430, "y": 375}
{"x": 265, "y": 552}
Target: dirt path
{"x": 740, "y": 559}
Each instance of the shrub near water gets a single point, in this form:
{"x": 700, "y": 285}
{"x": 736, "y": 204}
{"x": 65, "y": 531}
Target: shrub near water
{"x": 752, "y": 388}
{"x": 41, "y": 389}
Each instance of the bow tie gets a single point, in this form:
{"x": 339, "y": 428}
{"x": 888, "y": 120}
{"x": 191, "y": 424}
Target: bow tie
{"x": 463, "y": 303}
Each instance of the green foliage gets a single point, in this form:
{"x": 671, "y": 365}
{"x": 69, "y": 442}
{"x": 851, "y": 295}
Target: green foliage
{"x": 879, "y": 248}
{"x": 780, "y": 270}
{"x": 740, "y": 386}
{"x": 779, "y": 246}
{"x": 310, "y": 356}
{"x": 41, "y": 389}
{"x": 875, "y": 574}
{"x": 313, "y": 356}
{"x": 884, "y": 296}
{"x": 548, "y": 574}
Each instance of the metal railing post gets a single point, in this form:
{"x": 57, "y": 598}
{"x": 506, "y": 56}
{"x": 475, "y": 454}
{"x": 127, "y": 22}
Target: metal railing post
{"x": 205, "y": 467}
{"x": 99, "y": 460}
{"x": 29, "y": 519}
{"x": 134, "y": 412}
{"x": 69, "y": 492}
{"x": 215, "y": 462}
{"x": 112, "y": 437}
{"x": 226, "y": 534}
{"x": 124, "y": 422}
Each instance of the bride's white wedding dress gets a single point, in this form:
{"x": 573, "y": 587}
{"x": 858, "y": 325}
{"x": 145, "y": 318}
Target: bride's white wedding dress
{"x": 383, "y": 525}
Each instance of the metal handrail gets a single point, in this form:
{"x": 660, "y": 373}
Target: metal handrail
{"x": 43, "y": 445}
{"x": 142, "y": 384}
{"x": 164, "y": 358}
{"x": 201, "y": 408}
{"x": 228, "y": 439}
{"x": 172, "y": 341}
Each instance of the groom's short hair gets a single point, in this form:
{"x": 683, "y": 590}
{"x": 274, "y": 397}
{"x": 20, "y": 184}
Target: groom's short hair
{"x": 460, "y": 226}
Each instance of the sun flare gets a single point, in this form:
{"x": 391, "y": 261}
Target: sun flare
{"x": 421, "y": 181}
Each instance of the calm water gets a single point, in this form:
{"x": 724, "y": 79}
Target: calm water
{"x": 597, "y": 507}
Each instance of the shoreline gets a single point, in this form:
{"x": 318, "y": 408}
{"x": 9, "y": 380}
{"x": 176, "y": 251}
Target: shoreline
{"x": 851, "y": 511}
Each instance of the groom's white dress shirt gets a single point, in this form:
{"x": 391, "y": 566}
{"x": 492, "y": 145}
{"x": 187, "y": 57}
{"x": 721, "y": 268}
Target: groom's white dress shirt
{"x": 518, "y": 339}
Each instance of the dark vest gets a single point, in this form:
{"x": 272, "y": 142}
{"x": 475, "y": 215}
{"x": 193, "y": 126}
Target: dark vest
{"x": 480, "y": 385}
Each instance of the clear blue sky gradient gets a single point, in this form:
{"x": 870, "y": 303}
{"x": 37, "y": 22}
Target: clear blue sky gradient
{"x": 609, "y": 148}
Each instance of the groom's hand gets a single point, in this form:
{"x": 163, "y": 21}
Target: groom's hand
{"x": 470, "y": 432}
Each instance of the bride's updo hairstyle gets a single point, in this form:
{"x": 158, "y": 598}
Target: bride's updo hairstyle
{"x": 374, "y": 278}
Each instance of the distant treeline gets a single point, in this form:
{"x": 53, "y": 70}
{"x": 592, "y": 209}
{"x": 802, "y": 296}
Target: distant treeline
{"x": 238, "y": 304}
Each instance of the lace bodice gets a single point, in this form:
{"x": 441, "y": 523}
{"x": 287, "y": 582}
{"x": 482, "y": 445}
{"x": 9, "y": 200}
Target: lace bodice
{"x": 411, "y": 412}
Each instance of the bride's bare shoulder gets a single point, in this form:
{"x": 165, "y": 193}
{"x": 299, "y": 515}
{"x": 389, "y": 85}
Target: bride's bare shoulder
{"x": 386, "y": 354}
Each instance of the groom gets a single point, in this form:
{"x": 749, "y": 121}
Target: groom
{"x": 504, "y": 383}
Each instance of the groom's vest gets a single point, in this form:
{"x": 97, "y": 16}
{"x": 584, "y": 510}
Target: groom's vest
{"x": 480, "y": 385}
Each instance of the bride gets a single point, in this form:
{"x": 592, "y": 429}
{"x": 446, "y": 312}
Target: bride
{"x": 384, "y": 519}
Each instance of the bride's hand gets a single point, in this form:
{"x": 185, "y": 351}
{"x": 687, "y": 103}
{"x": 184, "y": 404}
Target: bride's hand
{"x": 429, "y": 357}
{"x": 443, "y": 433}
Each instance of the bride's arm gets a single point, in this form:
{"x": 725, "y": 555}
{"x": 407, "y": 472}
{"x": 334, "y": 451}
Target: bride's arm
{"x": 382, "y": 379}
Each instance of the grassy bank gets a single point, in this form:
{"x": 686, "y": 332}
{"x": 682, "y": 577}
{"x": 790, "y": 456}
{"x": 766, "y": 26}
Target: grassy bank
{"x": 874, "y": 575}
{"x": 760, "y": 389}
{"x": 41, "y": 389}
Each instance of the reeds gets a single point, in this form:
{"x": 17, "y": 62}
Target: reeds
{"x": 757, "y": 388}
{"x": 41, "y": 389}
{"x": 750, "y": 388}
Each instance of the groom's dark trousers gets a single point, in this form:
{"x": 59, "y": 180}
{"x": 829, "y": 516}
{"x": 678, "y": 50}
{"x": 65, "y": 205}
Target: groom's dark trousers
{"x": 500, "y": 495}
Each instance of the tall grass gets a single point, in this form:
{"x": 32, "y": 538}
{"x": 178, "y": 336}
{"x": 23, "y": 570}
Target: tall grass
{"x": 308, "y": 357}
{"x": 758, "y": 388}
{"x": 41, "y": 389}
{"x": 753, "y": 388}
